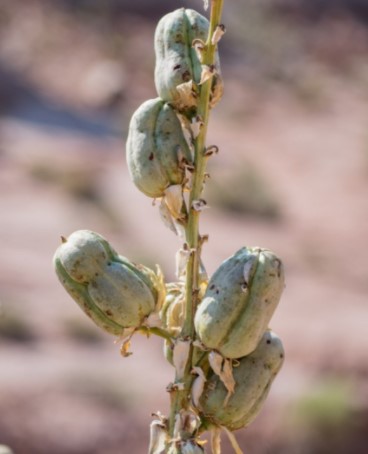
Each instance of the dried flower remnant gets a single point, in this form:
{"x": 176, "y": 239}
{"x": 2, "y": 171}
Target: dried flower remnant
{"x": 199, "y": 205}
{"x": 180, "y": 357}
{"x": 158, "y": 437}
{"x": 218, "y": 34}
{"x": 207, "y": 73}
{"x": 198, "y": 385}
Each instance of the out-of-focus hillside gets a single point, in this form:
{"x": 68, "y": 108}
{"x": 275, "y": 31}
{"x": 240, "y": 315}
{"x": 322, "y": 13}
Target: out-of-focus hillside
{"x": 291, "y": 175}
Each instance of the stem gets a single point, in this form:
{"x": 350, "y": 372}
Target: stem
{"x": 181, "y": 399}
{"x": 157, "y": 331}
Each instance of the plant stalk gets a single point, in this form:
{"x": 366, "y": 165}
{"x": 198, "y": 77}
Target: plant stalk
{"x": 181, "y": 399}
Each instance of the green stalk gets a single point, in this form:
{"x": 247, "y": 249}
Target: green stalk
{"x": 181, "y": 399}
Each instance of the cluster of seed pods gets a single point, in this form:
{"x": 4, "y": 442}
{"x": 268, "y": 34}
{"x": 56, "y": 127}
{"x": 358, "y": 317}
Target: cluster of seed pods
{"x": 234, "y": 355}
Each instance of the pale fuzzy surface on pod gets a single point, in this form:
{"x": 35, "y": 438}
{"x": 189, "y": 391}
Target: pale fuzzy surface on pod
{"x": 112, "y": 291}
{"x": 85, "y": 251}
{"x": 239, "y": 302}
{"x": 253, "y": 376}
{"x": 154, "y": 148}
{"x": 177, "y": 61}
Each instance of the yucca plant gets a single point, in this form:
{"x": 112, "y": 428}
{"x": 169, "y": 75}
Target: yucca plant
{"x": 216, "y": 331}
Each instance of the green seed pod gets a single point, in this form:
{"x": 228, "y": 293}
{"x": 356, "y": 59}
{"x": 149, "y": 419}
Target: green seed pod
{"x": 253, "y": 377}
{"x": 155, "y": 148}
{"x": 112, "y": 291}
{"x": 239, "y": 302}
{"x": 177, "y": 62}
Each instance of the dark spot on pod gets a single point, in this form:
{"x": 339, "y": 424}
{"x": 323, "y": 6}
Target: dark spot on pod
{"x": 212, "y": 386}
{"x": 268, "y": 341}
{"x": 186, "y": 76}
{"x": 281, "y": 355}
{"x": 109, "y": 264}
{"x": 151, "y": 156}
{"x": 176, "y": 67}
{"x": 179, "y": 38}
{"x": 109, "y": 313}
{"x": 217, "y": 291}
{"x": 212, "y": 287}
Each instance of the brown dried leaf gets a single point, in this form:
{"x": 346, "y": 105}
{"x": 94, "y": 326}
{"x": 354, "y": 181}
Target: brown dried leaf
{"x": 199, "y": 47}
{"x": 166, "y": 217}
{"x": 199, "y": 205}
{"x": 198, "y": 385}
{"x": 218, "y": 33}
{"x": 158, "y": 437}
{"x": 124, "y": 349}
{"x": 223, "y": 368}
{"x": 216, "y": 361}
{"x": 180, "y": 357}
{"x": 228, "y": 380}
{"x": 174, "y": 200}
{"x": 196, "y": 126}
{"x": 207, "y": 73}
{"x": 185, "y": 91}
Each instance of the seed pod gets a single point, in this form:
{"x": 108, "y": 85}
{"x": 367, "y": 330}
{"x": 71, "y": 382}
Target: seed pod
{"x": 177, "y": 62}
{"x": 155, "y": 148}
{"x": 239, "y": 302}
{"x": 253, "y": 376}
{"x": 112, "y": 291}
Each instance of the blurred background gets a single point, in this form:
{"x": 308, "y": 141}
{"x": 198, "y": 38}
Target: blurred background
{"x": 291, "y": 175}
